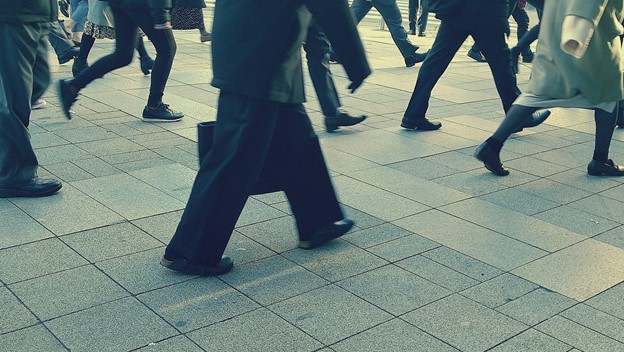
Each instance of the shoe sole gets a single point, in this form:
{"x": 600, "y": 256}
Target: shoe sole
{"x": 154, "y": 119}
{"x": 315, "y": 244}
{"x": 12, "y": 193}
{"x": 192, "y": 269}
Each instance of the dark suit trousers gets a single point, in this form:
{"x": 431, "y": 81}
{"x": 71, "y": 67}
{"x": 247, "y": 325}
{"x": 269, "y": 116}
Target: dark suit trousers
{"x": 253, "y": 139}
{"x": 317, "y": 49}
{"x": 448, "y": 40}
{"x": 24, "y": 77}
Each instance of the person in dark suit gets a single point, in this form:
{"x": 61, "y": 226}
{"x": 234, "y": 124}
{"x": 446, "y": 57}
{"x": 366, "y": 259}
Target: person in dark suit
{"x": 486, "y": 21}
{"x": 262, "y": 128}
{"x": 414, "y": 20}
{"x": 317, "y": 48}
{"x": 24, "y": 77}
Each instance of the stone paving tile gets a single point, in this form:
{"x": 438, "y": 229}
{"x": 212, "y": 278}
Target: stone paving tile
{"x": 403, "y": 247}
{"x": 17, "y": 227}
{"x": 610, "y": 301}
{"x": 243, "y": 249}
{"x": 515, "y": 225}
{"x": 330, "y": 314}
{"x": 524, "y": 203}
{"x": 175, "y": 180}
{"x": 118, "y": 325}
{"x": 475, "y": 184}
{"x": 375, "y": 235}
{"x": 464, "y": 324}
{"x": 15, "y": 315}
{"x": 256, "y": 211}
{"x": 393, "y": 336}
{"x": 110, "y": 241}
{"x": 437, "y": 273}
{"x": 121, "y": 194}
{"x": 577, "y": 221}
{"x": 68, "y": 172}
{"x": 614, "y": 237}
{"x": 482, "y": 244}
{"x": 94, "y": 167}
{"x": 86, "y": 134}
{"x": 60, "y": 154}
{"x": 277, "y": 234}
{"x": 48, "y": 139}
{"x": 162, "y": 226}
{"x": 462, "y": 263}
{"x": 71, "y": 290}
{"x": 536, "y": 306}
{"x": 33, "y": 339}
{"x": 578, "y": 336}
{"x": 580, "y": 179}
{"x": 596, "y": 320}
{"x": 499, "y": 290}
{"x": 197, "y": 303}
{"x": 532, "y": 341}
{"x": 393, "y": 289}
{"x": 335, "y": 261}
{"x": 37, "y": 259}
{"x": 178, "y": 343}
{"x": 259, "y": 330}
{"x": 579, "y": 271}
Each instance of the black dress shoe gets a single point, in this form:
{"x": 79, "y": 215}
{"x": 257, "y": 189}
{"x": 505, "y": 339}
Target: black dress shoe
{"x": 420, "y": 124}
{"x": 66, "y": 96}
{"x": 415, "y": 58}
{"x": 68, "y": 55}
{"x": 536, "y": 119}
{"x": 185, "y": 266}
{"x": 412, "y": 32}
{"x": 326, "y": 234}
{"x": 161, "y": 113}
{"x": 608, "y": 168}
{"x": 34, "y": 187}
{"x": 342, "y": 119}
{"x": 490, "y": 159}
{"x": 422, "y": 34}
{"x": 476, "y": 55}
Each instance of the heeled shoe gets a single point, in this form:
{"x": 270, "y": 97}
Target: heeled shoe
{"x": 490, "y": 159}
{"x": 147, "y": 63}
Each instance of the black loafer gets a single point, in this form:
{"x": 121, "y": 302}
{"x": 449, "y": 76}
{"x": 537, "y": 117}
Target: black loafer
{"x": 326, "y": 234}
{"x": 342, "y": 119}
{"x": 162, "y": 113}
{"x": 490, "y": 159}
{"x": 34, "y": 187}
{"x": 420, "y": 124}
{"x": 183, "y": 265}
{"x": 415, "y": 58}
{"x": 536, "y": 119}
{"x": 608, "y": 168}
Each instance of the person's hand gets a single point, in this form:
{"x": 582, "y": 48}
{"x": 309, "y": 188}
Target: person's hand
{"x": 354, "y": 86}
{"x": 166, "y": 25}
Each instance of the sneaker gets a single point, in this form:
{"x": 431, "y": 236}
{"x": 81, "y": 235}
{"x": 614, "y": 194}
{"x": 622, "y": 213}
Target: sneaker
{"x": 161, "y": 113}
{"x": 40, "y": 103}
{"x": 66, "y": 96}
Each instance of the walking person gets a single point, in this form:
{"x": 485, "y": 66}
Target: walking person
{"x": 24, "y": 77}
{"x": 189, "y": 14}
{"x": 262, "y": 128}
{"x": 578, "y": 65}
{"x": 128, "y": 16}
{"x": 414, "y": 19}
{"x": 317, "y": 48}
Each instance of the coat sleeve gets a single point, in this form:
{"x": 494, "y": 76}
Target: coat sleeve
{"x": 338, "y": 23}
{"x": 589, "y": 9}
{"x": 159, "y": 9}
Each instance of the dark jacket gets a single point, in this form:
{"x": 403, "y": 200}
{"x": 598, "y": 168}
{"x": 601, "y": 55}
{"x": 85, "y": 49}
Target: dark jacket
{"x": 159, "y": 9}
{"x": 483, "y": 15}
{"x": 265, "y": 61}
{"x": 28, "y": 11}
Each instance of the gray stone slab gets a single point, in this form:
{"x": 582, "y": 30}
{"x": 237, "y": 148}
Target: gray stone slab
{"x": 336, "y": 260}
{"x": 124, "y": 324}
{"x": 179, "y": 343}
{"x": 614, "y": 237}
{"x": 579, "y": 271}
{"x": 535, "y": 166}
{"x": 596, "y": 320}
{"x": 141, "y": 272}
{"x": 462, "y": 263}
{"x": 161, "y": 226}
{"x": 197, "y": 303}
{"x": 553, "y": 191}
{"x": 68, "y": 211}
{"x": 403, "y": 247}
{"x": 578, "y": 336}
{"x": 259, "y": 280}
{"x": 610, "y": 301}
{"x": 86, "y": 134}
{"x": 330, "y": 314}
{"x": 393, "y": 289}
{"x": 278, "y": 234}
{"x": 437, "y": 273}
{"x": 536, "y": 306}
{"x": 16, "y": 315}
{"x": 60, "y": 154}
{"x": 376, "y": 235}
{"x": 424, "y": 168}
{"x": 96, "y": 167}
{"x": 492, "y": 248}
{"x": 475, "y": 184}
{"x": 393, "y": 336}
{"x": 519, "y": 201}
{"x": 68, "y": 172}
{"x": 464, "y": 324}
{"x": 175, "y": 180}
{"x": 33, "y": 339}
{"x": 453, "y": 159}
{"x": 16, "y": 227}
{"x": 259, "y": 330}
{"x": 532, "y": 341}
{"x": 128, "y": 196}
{"x": 576, "y": 220}
{"x": 580, "y": 179}
{"x": 499, "y": 290}
{"x": 513, "y": 224}
{"x": 37, "y": 259}
{"x": 256, "y": 211}
{"x": 110, "y": 242}
{"x": 409, "y": 186}
{"x": 243, "y": 249}
{"x": 343, "y": 162}
{"x": 47, "y": 139}
{"x": 387, "y": 205}
{"x": 70, "y": 290}
{"x": 362, "y": 219}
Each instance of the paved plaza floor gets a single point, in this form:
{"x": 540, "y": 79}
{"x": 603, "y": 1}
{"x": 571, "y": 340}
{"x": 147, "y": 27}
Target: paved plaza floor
{"x": 445, "y": 256}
